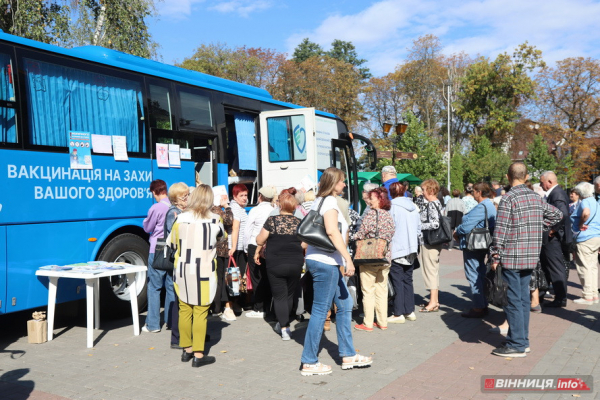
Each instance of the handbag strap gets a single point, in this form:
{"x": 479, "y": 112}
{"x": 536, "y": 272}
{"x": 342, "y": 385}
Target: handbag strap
{"x": 165, "y": 225}
{"x": 231, "y": 260}
{"x": 486, "y": 217}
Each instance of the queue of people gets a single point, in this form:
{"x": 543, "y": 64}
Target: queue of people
{"x": 528, "y": 232}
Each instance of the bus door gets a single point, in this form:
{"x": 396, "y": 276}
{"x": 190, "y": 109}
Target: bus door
{"x": 287, "y": 148}
{"x": 204, "y": 158}
{"x": 3, "y": 273}
{"x": 343, "y": 158}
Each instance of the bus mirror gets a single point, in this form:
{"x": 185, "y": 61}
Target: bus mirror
{"x": 371, "y": 157}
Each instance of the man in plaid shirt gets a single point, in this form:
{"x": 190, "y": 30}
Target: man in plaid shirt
{"x": 522, "y": 218}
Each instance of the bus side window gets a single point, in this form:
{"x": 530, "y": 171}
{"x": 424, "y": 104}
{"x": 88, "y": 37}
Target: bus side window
{"x": 62, "y": 99}
{"x": 195, "y": 110}
{"x": 160, "y": 108}
{"x": 8, "y": 121}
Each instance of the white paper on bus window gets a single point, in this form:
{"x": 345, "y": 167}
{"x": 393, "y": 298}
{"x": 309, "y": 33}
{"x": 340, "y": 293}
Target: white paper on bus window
{"x": 80, "y": 152}
{"x": 326, "y": 130}
{"x": 219, "y": 192}
{"x": 174, "y": 161}
{"x": 102, "y": 144}
{"x": 162, "y": 155}
{"x": 185, "y": 154}
{"x": 119, "y": 145}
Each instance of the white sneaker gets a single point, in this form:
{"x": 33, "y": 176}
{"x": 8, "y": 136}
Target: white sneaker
{"x": 286, "y": 334}
{"x": 396, "y": 320}
{"x": 228, "y": 315}
{"x": 255, "y": 314}
{"x": 411, "y": 316}
{"x": 583, "y": 301}
{"x": 145, "y": 329}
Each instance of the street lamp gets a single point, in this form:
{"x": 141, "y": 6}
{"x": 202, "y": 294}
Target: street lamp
{"x": 448, "y": 98}
{"x": 399, "y": 128}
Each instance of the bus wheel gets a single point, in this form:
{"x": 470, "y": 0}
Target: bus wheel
{"x": 114, "y": 290}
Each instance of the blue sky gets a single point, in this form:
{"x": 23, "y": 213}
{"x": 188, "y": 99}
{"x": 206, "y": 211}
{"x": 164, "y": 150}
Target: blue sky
{"x": 381, "y": 30}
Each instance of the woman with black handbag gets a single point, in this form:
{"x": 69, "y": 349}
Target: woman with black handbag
{"x": 475, "y": 236}
{"x": 431, "y": 214}
{"x": 375, "y": 268}
{"x": 326, "y": 256}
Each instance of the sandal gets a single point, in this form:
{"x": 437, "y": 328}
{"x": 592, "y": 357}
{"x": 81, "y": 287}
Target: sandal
{"x": 315, "y": 369}
{"x": 429, "y": 310}
{"x": 358, "y": 361}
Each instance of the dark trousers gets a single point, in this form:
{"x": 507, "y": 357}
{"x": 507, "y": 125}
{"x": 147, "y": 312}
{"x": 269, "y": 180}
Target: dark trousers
{"x": 221, "y": 295}
{"x": 284, "y": 280}
{"x": 260, "y": 281}
{"x": 552, "y": 260}
{"x": 401, "y": 277}
{"x": 518, "y": 308}
{"x": 175, "y": 320}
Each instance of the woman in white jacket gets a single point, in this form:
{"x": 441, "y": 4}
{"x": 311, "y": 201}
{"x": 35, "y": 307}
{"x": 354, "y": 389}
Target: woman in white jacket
{"x": 405, "y": 247}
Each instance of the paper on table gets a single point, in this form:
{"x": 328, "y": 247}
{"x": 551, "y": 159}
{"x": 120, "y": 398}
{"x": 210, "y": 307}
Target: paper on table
{"x": 185, "y": 154}
{"x": 119, "y": 144}
{"x": 80, "y": 153}
{"x": 102, "y": 144}
{"x": 162, "y": 155}
{"x": 219, "y": 192}
{"x": 174, "y": 160}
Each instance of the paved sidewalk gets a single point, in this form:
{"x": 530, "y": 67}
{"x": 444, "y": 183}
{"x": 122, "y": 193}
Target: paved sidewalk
{"x": 439, "y": 356}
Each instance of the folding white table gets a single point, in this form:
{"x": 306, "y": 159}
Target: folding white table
{"x": 92, "y": 296}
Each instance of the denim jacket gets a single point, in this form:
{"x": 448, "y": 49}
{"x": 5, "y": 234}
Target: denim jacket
{"x": 475, "y": 219}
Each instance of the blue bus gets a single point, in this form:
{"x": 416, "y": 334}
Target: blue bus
{"x": 227, "y": 133}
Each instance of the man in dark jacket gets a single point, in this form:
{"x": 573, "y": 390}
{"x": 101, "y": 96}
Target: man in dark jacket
{"x": 555, "y": 255}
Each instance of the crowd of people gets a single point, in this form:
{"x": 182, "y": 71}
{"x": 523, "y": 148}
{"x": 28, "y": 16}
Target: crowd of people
{"x": 532, "y": 237}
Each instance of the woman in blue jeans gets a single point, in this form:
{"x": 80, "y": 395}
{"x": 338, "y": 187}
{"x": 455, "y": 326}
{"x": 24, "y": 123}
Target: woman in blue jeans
{"x": 475, "y": 268}
{"x": 328, "y": 282}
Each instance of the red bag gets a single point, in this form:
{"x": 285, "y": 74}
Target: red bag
{"x": 248, "y": 280}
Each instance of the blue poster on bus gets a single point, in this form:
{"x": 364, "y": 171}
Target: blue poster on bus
{"x": 80, "y": 150}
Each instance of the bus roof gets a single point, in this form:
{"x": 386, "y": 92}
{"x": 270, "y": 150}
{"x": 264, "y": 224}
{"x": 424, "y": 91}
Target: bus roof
{"x": 130, "y": 62}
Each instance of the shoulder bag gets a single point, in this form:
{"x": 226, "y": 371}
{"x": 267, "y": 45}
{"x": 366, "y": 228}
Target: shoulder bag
{"x": 372, "y": 250}
{"x": 480, "y": 238}
{"x": 441, "y": 235}
{"x": 312, "y": 230}
{"x": 164, "y": 255}
{"x": 496, "y": 288}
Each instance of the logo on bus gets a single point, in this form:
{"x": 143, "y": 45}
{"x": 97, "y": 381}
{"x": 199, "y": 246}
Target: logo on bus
{"x": 300, "y": 138}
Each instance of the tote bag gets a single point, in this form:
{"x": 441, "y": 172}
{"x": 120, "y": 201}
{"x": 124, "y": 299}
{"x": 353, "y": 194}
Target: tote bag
{"x": 480, "y": 238}
{"x": 496, "y": 288}
{"x": 164, "y": 255}
{"x": 443, "y": 234}
{"x": 312, "y": 230}
{"x": 372, "y": 250}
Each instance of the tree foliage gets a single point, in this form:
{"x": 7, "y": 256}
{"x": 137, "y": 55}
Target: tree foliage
{"x": 457, "y": 171}
{"x": 44, "y": 21}
{"x": 325, "y": 83}
{"x": 340, "y": 50}
{"x": 253, "y": 66}
{"x": 485, "y": 162}
{"x": 115, "y": 24}
{"x": 429, "y": 163}
{"x": 538, "y": 158}
{"x": 493, "y": 91}
{"x": 383, "y": 101}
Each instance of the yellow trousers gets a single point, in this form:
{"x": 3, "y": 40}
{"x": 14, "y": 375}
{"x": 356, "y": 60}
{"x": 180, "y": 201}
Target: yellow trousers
{"x": 192, "y": 326}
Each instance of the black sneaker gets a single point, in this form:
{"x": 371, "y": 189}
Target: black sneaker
{"x": 527, "y": 349}
{"x": 508, "y": 352}
{"x": 185, "y": 357}
{"x": 557, "y": 304}
{"x": 199, "y": 362}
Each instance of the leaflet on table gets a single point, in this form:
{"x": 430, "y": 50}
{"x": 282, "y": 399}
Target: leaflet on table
{"x": 80, "y": 152}
{"x": 92, "y": 267}
{"x": 119, "y": 147}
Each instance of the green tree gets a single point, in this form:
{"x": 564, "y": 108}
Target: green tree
{"x": 44, "y": 21}
{"x": 457, "y": 171}
{"x": 493, "y": 91}
{"x": 345, "y": 51}
{"x": 485, "y": 163}
{"x": 306, "y": 50}
{"x": 115, "y": 24}
{"x": 430, "y": 163}
{"x": 538, "y": 158}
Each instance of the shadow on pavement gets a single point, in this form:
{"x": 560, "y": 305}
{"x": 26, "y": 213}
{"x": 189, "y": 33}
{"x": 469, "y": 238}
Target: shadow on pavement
{"x": 12, "y": 387}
